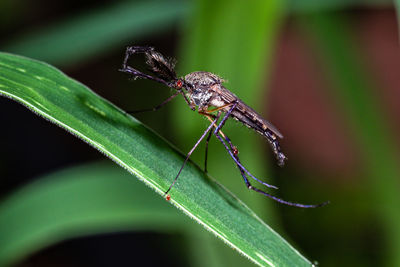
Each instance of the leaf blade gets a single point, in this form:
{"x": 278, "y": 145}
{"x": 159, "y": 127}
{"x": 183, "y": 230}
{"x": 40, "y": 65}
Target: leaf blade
{"x": 71, "y": 105}
{"x": 97, "y": 31}
{"x": 79, "y": 201}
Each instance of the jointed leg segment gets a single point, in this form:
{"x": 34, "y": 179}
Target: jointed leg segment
{"x": 210, "y": 117}
{"x": 243, "y": 170}
{"x": 233, "y": 152}
{"x": 156, "y": 107}
{"x": 191, "y": 151}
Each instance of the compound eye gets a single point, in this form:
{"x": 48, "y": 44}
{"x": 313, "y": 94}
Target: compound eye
{"x": 179, "y": 84}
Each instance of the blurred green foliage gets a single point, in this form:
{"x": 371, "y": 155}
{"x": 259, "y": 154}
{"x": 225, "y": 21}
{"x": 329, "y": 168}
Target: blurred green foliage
{"x": 365, "y": 117}
{"x": 87, "y": 35}
{"x": 68, "y": 208}
{"x": 237, "y": 41}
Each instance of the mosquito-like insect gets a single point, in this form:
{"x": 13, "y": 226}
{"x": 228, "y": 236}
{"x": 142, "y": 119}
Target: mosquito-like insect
{"x": 205, "y": 91}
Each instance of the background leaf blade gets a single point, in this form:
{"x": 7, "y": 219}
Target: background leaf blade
{"x": 97, "y": 30}
{"x": 76, "y": 202}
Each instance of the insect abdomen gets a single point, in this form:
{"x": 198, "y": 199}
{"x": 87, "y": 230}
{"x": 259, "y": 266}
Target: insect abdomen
{"x": 253, "y": 120}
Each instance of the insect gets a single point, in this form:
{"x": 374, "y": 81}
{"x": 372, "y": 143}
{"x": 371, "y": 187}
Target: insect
{"x": 204, "y": 91}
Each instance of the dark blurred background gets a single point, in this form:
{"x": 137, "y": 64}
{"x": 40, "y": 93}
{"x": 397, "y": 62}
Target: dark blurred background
{"x": 326, "y": 74}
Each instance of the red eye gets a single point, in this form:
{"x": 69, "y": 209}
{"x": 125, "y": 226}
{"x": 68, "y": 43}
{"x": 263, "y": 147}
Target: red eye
{"x": 179, "y": 84}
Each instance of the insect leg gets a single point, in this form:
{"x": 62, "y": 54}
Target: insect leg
{"x": 156, "y": 107}
{"x": 191, "y": 151}
{"x": 251, "y": 187}
{"x": 221, "y": 107}
{"x": 225, "y": 118}
{"x": 235, "y": 158}
{"x": 210, "y": 117}
{"x": 240, "y": 165}
{"x": 131, "y": 50}
{"x": 243, "y": 171}
{"x": 233, "y": 150}
{"x": 191, "y": 105}
{"x": 205, "y": 158}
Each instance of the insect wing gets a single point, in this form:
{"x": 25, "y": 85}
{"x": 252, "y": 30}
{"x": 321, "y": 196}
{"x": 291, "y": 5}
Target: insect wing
{"x": 229, "y": 97}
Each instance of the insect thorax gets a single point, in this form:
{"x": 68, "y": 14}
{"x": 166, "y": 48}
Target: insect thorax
{"x": 202, "y": 84}
{"x": 200, "y": 97}
{"x": 202, "y": 78}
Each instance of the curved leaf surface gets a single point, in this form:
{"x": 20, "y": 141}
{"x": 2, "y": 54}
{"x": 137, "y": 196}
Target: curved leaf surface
{"x": 71, "y": 105}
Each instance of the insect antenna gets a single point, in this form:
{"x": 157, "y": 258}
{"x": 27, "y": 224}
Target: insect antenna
{"x": 161, "y": 66}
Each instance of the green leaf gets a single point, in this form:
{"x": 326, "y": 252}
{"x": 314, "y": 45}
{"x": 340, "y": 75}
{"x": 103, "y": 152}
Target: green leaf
{"x": 89, "y": 199}
{"x": 79, "y": 201}
{"x": 71, "y": 105}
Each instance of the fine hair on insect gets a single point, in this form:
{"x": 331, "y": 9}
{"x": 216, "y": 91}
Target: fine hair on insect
{"x": 204, "y": 91}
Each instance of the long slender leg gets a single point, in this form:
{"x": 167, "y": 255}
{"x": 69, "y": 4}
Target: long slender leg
{"x": 221, "y": 107}
{"x": 130, "y": 50}
{"x": 243, "y": 171}
{"x": 270, "y": 136}
{"x": 210, "y": 117}
{"x": 251, "y": 187}
{"x": 224, "y": 119}
{"x": 191, "y": 151}
{"x": 233, "y": 150}
{"x": 235, "y": 158}
{"x": 156, "y": 107}
{"x": 191, "y": 105}
{"x": 205, "y": 158}
{"x": 235, "y": 153}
